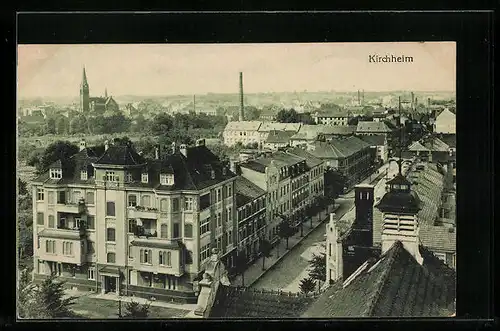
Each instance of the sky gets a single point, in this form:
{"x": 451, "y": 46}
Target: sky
{"x": 175, "y": 69}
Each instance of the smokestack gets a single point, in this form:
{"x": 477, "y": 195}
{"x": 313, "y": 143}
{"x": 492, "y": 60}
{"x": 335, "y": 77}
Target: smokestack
{"x": 412, "y": 100}
{"x": 359, "y": 99}
{"x": 242, "y": 113}
{"x": 428, "y": 104}
{"x": 363, "y": 97}
{"x": 194, "y": 103}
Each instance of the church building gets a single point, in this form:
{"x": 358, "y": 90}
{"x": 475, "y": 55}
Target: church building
{"x": 95, "y": 105}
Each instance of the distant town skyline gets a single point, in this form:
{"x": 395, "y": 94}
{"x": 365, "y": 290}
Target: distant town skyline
{"x": 186, "y": 69}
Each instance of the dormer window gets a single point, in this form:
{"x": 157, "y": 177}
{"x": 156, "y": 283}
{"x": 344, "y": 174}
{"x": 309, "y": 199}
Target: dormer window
{"x": 163, "y": 179}
{"x": 83, "y": 175}
{"x": 128, "y": 177}
{"x": 144, "y": 177}
{"x": 55, "y": 173}
{"x": 212, "y": 174}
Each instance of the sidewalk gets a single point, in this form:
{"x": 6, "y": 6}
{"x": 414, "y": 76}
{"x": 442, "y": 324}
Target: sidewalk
{"x": 255, "y": 272}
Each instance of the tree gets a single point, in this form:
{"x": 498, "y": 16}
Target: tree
{"x": 134, "y": 309}
{"x": 51, "y": 126}
{"x": 62, "y": 125}
{"x": 252, "y": 113}
{"x": 318, "y": 267}
{"x": 307, "y": 285}
{"x": 265, "y": 251}
{"x": 53, "y": 300}
{"x": 23, "y": 190}
{"x": 55, "y": 151}
{"x": 285, "y": 231}
{"x": 162, "y": 124}
{"x": 240, "y": 264}
{"x": 287, "y": 116}
{"x": 78, "y": 124}
{"x": 28, "y": 300}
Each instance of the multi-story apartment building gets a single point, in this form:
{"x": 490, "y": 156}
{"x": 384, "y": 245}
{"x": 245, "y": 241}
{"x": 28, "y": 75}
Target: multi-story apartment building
{"x": 379, "y": 145}
{"x": 373, "y": 128}
{"x": 116, "y": 222}
{"x": 350, "y": 156}
{"x": 251, "y": 215}
{"x": 275, "y": 174}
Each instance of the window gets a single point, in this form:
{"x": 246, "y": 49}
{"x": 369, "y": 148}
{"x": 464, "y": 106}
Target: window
{"x": 110, "y": 176}
{"x": 188, "y": 203}
{"x": 111, "y": 258}
{"x": 77, "y": 195}
{"x": 229, "y": 191}
{"x": 91, "y": 273}
{"x": 175, "y": 204}
{"x": 168, "y": 259}
{"x": 61, "y": 197}
{"x": 90, "y": 222}
{"x": 204, "y": 252}
{"x": 83, "y": 175}
{"x": 91, "y": 247}
{"x": 110, "y": 208}
{"x": 146, "y": 201}
{"x": 50, "y": 246}
{"x": 110, "y": 234}
{"x": 218, "y": 195}
{"x": 67, "y": 248}
{"x": 161, "y": 258}
{"x": 230, "y": 237}
{"x": 165, "y": 258}
{"x": 132, "y": 225}
{"x": 204, "y": 201}
{"x": 176, "y": 230}
{"x": 163, "y": 205}
{"x": 51, "y": 197}
{"x": 90, "y": 198}
{"x": 39, "y": 194}
{"x": 40, "y": 219}
{"x": 219, "y": 219}
{"x": 229, "y": 214}
{"x": 130, "y": 251}
{"x": 55, "y": 173}
{"x": 204, "y": 226}
{"x": 188, "y": 230}
{"x": 132, "y": 200}
{"x": 82, "y": 247}
{"x": 144, "y": 177}
{"x": 163, "y": 179}
{"x": 164, "y": 231}
{"x": 146, "y": 256}
{"x": 128, "y": 177}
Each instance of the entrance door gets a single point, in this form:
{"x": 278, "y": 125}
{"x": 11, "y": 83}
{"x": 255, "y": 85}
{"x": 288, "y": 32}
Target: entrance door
{"x": 110, "y": 284}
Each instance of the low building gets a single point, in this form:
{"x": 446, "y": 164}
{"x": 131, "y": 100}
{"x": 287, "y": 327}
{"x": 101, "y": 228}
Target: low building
{"x": 379, "y": 144}
{"x": 245, "y": 132}
{"x": 267, "y": 127}
{"x": 331, "y": 116}
{"x": 372, "y": 128}
{"x": 278, "y": 139}
{"x": 251, "y": 216}
{"x": 350, "y": 156}
{"x": 445, "y": 122}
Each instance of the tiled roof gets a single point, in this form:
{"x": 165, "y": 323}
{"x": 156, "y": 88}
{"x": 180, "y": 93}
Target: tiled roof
{"x": 338, "y": 148}
{"x": 271, "y": 126}
{"x": 121, "y": 155}
{"x": 277, "y": 137}
{"x": 232, "y": 302}
{"x": 246, "y": 191}
{"x": 311, "y": 160}
{"x": 375, "y": 140}
{"x": 375, "y": 127}
{"x": 278, "y": 158}
{"x": 334, "y": 111}
{"x": 449, "y": 139}
{"x": 417, "y": 146}
{"x": 434, "y": 144}
{"x": 394, "y": 286}
{"x": 243, "y": 126}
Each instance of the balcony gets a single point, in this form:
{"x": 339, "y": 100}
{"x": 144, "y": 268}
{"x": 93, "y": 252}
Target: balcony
{"x": 151, "y": 261}
{"x": 142, "y": 212}
{"x": 70, "y": 207}
{"x": 59, "y": 237}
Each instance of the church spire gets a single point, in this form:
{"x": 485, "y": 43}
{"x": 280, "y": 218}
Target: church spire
{"x": 84, "y": 78}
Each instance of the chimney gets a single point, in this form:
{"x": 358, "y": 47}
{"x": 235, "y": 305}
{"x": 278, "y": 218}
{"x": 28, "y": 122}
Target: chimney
{"x": 242, "y": 110}
{"x": 428, "y": 104}
{"x": 234, "y": 167}
{"x": 106, "y": 145}
{"x": 412, "y": 100}
{"x": 174, "y": 147}
{"x": 363, "y": 97}
{"x": 183, "y": 149}
{"x": 157, "y": 152}
{"x": 83, "y": 144}
{"x": 194, "y": 103}
{"x": 359, "y": 98}
{"x": 334, "y": 251}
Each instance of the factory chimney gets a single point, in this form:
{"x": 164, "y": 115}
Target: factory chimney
{"x": 359, "y": 99}
{"x": 412, "y": 100}
{"x": 242, "y": 113}
{"x": 194, "y": 104}
{"x": 363, "y": 98}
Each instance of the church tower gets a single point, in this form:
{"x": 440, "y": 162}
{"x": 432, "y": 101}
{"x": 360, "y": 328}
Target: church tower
{"x": 84, "y": 93}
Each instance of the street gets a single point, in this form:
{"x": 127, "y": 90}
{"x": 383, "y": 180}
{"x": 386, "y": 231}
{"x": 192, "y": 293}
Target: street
{"x": 287, "y": 273}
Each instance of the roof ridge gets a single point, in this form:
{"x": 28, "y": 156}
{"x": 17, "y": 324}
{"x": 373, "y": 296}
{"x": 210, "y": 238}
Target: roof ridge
{"x": 391, "y": 256}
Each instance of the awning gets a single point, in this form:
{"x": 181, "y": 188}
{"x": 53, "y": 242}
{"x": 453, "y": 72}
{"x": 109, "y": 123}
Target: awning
{"x": 110, "y": 271}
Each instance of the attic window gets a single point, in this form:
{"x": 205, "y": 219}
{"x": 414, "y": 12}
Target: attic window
{"x": 144, "y": 178}
{"x": 83, "y": 175}
{"x": 55, "y": 173}
{"x": 212, "y": 174}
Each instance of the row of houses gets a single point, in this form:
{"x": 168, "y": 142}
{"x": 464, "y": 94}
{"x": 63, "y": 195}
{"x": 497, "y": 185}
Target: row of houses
{"x": 113, "y": 221}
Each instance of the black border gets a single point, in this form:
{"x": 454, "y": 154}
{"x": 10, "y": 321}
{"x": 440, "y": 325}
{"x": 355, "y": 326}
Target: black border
{"x": 472, "y": 30}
